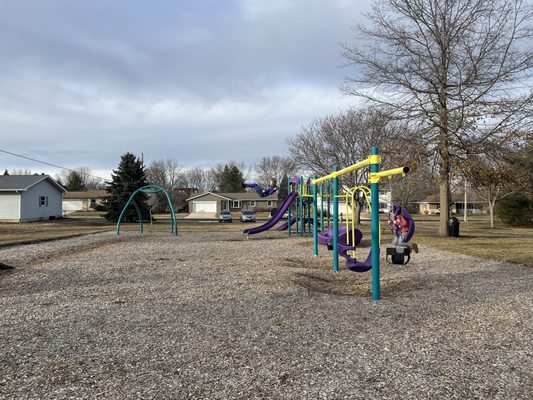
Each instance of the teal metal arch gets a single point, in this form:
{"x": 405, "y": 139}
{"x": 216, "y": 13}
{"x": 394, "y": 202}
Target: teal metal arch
{"x": 150, "y": 190}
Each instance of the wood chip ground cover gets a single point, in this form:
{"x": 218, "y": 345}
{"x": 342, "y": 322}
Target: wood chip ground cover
{"x": 215, "y": 316}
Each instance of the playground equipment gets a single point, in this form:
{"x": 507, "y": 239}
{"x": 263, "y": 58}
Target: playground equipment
{"x": 271, "y": 189}
{"x": 150, "y": 190}
{"x": 285, "y": 207}
{"x": 275, "y": 218}
{"x": 372, "y": 261}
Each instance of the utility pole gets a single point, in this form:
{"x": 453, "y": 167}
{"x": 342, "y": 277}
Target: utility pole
{"x": 465, "y": 208}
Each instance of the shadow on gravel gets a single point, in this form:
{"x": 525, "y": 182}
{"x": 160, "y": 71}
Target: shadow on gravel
{"x": 332, "y": 285}
{"x": 5, "y": 267}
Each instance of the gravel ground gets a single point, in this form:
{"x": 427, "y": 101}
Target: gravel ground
{"x": 214, "y": 316}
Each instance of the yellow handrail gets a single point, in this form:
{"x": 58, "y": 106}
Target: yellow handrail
{"x": 373, "y": 159}
{"x": 375, "y": 177}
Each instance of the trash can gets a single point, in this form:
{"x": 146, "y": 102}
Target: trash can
{"x": 453, "y": 227}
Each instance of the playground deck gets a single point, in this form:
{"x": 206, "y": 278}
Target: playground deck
{"x": 212, "y": 315}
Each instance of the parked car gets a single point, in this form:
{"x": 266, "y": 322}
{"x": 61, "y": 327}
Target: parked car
{"x": 247, "y": 216}
{"x": 225, "y": 216}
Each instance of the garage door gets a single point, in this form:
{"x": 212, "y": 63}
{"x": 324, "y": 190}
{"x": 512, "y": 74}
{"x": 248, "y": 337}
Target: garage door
{"x": 204, "y": 206}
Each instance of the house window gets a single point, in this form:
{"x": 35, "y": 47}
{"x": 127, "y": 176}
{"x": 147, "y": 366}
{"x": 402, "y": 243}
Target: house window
{"x": 269, "y": 203}
{"x": 252, "y": 203}
{"x": 235, "y": 204}
{"x": 43, "y": 201}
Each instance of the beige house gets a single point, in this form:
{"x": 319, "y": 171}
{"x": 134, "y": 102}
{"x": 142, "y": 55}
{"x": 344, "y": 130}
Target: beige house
{"x": 216, "y": 202}
{"x": 475, "y": 205}
{"x": 82, "y": 201}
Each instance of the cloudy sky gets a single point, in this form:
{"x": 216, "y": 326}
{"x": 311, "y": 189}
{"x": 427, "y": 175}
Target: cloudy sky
{"x": 199, "y": 81}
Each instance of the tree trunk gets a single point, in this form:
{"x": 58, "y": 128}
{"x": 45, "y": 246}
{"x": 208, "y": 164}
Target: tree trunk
{"x": 444, "y": 174}
{"x": 492, "y": 204}
{"x": 444, "y": 202}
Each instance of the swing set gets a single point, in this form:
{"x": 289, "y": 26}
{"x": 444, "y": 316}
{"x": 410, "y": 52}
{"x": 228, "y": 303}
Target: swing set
{"x": 347, "y": 250}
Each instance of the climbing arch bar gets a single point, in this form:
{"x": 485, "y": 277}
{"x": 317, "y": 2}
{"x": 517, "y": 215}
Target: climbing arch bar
{"x": 149, "y": 189}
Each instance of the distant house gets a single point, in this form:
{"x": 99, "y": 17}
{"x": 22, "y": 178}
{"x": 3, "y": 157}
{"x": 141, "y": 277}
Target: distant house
{"x": 29, "y": 198}
{"x": 215, "y": 202}
{"x": 475, "y": 205}
{"x": 83, "y": 201}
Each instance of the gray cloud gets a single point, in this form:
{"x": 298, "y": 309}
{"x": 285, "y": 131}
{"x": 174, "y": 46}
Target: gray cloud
{"x": 198, "y": 81}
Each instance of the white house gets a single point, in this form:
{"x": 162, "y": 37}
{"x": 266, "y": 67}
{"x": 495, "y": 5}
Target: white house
{"x": 29, "y": 198}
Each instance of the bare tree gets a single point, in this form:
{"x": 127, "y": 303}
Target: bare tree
{"x": 20, "y": 171}
{"x": 166, "y": 173}
{"x": 344, "y": 139}
{"x": 88, "y": 180}
{"x": 197, "y": 179}
{"x": 460, "y": 69}
{"x": 491, "y": 180}
{"x": 274, "y": 167}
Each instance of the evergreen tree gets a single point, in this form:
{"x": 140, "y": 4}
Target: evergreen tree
{"x": 283, "y": 190}
{"x": 75, "y": 182}
{"x": 231, "y": 179}
{"x": 516, "y": 210}
{"x": 129, "y": 177}
{"x": 6, "y": 172}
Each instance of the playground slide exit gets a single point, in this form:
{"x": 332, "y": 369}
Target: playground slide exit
{"x": 275, "y": 218}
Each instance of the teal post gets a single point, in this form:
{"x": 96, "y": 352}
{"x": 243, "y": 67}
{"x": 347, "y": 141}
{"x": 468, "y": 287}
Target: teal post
{"x": 328, "y": 189}
{"x": 308, "y": 204}
{"x": 374, "y": 194}
{"x": 315, "y": 222}
{"x": 335, "y": 222}
{"x": 297, "y": 211}
{"x": 289, "y": 209}
{"x": 301, "y": 213}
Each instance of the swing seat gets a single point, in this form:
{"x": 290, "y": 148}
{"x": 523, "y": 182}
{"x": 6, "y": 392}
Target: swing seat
{"x": 400, "y": 254}
{"x": 356, "y": 266}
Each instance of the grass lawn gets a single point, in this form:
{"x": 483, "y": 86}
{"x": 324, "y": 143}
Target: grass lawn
{"x": 476, "y": 237}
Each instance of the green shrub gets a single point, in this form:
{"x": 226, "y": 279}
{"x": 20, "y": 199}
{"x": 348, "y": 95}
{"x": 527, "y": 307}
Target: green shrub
{"x": 516, "y": 210}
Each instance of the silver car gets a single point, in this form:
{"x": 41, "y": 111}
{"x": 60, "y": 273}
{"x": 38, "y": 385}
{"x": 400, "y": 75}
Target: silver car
{"x": 247, "y": 216}
{"x": 225, "y": 216}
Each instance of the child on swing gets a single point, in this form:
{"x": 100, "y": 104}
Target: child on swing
{"x": 400, "y": 227}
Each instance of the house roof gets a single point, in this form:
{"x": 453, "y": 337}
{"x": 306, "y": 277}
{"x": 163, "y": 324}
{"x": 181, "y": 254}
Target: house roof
{"x": 21, "y": 183}
{"x": 88, "y": 194}
{"x": 244, "y": 196}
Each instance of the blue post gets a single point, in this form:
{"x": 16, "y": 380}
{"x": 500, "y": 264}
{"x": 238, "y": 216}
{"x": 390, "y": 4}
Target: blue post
{"x": 315, "y": 222}
{"x": 335, "y": 222}
{"x": 374, "y": 193}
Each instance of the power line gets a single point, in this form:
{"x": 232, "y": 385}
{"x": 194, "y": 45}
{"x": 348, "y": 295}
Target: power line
{"x": 51, "y": 165}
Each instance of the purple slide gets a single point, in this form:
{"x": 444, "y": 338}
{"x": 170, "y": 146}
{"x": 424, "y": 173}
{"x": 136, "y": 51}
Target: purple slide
{"x": 275, "y": 218}
{"x": 284, "y": 226}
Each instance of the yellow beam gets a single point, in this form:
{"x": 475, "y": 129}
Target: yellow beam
{"x": 375, "y": 177}
{"x": 354, "y": 167}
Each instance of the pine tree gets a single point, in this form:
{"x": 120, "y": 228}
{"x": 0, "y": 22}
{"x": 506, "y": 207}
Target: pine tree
{"x": 129, "y": 177}
{"x": 283, "y": 190}
{"x": 75, "y": 182}
{"x": 231, "y": 179}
